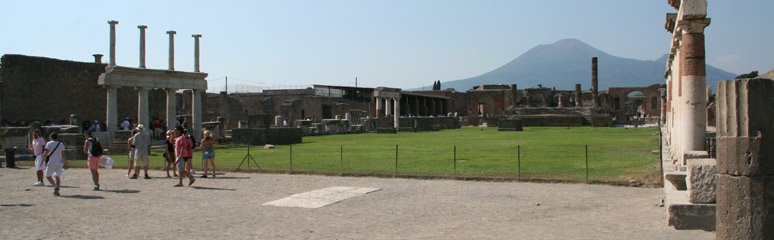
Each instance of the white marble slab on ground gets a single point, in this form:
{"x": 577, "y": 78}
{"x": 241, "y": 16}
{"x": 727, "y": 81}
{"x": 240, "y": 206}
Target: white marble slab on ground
{"x": 321, "y": 197}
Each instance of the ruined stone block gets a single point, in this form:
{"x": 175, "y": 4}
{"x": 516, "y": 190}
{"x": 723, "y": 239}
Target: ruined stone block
{"x": 745, "y": 156}
{"x": 692, "y": 216}
{"x": 700, "y": 180}
{"x": 746, "y": 207}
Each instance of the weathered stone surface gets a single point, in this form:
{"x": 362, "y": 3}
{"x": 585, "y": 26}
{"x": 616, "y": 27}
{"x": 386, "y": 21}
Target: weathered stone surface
{"x": 745, "y": 207}
{"x": 692, "y": 216}
{"x": 701, "y": 180}
{"x": 677, "y": 179}
{"x": 745, "y": 156}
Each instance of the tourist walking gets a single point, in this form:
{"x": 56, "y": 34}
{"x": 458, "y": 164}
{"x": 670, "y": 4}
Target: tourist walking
{"x": 142, "y": 142}
{"x": 169, "y": 152}
{"x": 36, "y": 147}
{"x": 208, "y": 153}
{"x": 130, "y": 146}
{"x": 55, "y": 161}
{"x": 183, "y": 152}
{"x": 93, "y": 149}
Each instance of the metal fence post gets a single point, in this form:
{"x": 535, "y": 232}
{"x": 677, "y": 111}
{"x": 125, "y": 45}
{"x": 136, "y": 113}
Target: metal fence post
{"x": 341, "y": 159}
{"x": 518, "y": 160}
{"x": 455, "y": 161}
{"x": 396, "y": 161}
{"x": 587, "y": 163}
{"x": 290, "y": 163}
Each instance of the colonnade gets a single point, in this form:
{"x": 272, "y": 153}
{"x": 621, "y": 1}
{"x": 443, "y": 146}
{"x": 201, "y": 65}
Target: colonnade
{"x": 142, "y": 79}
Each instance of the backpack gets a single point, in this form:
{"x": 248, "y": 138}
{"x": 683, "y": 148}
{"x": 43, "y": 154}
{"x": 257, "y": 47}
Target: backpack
{"x": 96, "y": 148}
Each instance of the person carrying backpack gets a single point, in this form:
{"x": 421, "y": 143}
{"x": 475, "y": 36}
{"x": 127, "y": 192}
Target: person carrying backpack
{"x": 93, "y": 148}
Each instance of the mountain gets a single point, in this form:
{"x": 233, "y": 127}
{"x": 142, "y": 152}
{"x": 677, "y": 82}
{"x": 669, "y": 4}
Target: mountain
{"x": 566, "y": 62}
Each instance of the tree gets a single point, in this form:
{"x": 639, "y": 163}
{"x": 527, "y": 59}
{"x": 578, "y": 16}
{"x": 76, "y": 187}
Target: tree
{"x": 439, "y": 85}
{"x": 752, "y": 74}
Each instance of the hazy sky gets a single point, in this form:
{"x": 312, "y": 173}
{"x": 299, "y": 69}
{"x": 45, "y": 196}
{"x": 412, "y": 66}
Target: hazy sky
{"x": 399, "y": 43}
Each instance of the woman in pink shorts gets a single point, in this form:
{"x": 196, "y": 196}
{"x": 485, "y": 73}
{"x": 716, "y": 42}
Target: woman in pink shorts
{"x": 93, "y": 149}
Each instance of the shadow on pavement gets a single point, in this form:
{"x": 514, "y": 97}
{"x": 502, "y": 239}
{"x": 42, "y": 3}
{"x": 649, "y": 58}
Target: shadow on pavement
{"x": 210, "y": 188}
{"x": 121, "y": 191}
{"x": 17, "y": 205}
{"x": 83, "y": 197}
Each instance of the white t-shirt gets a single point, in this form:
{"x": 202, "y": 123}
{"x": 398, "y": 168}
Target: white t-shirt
{"x": 37, "y": 147}
{"x": 125, "y": 125}
{"x": 57, "y": 155}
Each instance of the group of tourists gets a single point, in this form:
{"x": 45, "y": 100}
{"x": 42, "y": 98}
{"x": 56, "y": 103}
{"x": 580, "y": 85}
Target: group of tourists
{"x": 178, "y": 147}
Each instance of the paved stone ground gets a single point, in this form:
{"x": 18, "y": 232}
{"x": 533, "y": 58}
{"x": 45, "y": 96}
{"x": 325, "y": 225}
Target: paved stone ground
{"x": 230, "y": 207}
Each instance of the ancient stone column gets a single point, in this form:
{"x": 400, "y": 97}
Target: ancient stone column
{"x": 379, "y": 110}
{"x": 111, "y": 116}
{"x": 171, "y": 50}
{"x": 142, "y": 107}
{"x": 387, "y": 107}
{"x": 97, "y": 58}
{"x": 694, "y": 84}
{"x": 142, "y": 45}
{"x": 594, "y": 82}
{"x": 578, "y": 100}
{"x": 745, "y": 159}
{"x": 171, "y": 108}
{"x": 112, "y": 42}
{"x": 196, "y": 51}
{"x": 196, "y": 114}
{"x": 396, "y": 113}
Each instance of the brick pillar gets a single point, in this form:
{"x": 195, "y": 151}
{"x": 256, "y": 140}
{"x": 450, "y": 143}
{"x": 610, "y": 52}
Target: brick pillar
{"x": 97, "y": 58}
{"x": 594, "y": 82}
{"x": 745, "y": 159}
{"x": 694, "y": 84}
{"x": 578, "y": 101}
{"x": 142, "y": 45}
{"x": 171, "y": 50}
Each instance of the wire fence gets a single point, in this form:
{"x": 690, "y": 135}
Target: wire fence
{"x": 568, "y": 163}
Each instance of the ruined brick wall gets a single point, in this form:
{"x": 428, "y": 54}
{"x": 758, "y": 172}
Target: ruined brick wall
{"x": 38, "y": 88}
{"x": 617, "y": 100}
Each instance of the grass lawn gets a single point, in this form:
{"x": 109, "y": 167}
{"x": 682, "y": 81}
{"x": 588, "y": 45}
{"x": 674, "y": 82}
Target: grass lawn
{"x": 615, "y": 155}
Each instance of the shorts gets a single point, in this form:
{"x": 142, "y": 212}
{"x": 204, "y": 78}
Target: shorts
{"x": 93, "y": 162}
{"x": 40, "y": 164}
{"x": 181, "y": 163}
{"x": 54, "y": 169}
{"x": 140, "y": 160}
{"x": 170, "y": 159}
{"x": 208, "y": 155}
{"x": 131, "y": 154}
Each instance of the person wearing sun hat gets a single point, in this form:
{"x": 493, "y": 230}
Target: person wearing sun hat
{"x": 142, "y": 143}
{"x": 169, "y": 152}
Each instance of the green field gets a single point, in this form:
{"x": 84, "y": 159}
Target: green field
{"x": 615, "y": 155}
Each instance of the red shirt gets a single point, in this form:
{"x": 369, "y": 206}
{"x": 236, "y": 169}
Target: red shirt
{"x": 183, "y": 146}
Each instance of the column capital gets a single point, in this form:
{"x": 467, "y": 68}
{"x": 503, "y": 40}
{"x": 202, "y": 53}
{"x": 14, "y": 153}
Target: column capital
{"x": 112, "y": 22}
{"x": 196, "y": 35}
{"x": 171, "y": 32}
{"x": 695, "y": 25}
{"x": 142, "y": 26}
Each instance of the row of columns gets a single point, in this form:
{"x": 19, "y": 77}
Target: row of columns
{"x": 391, "y": 108}
{"x": 686, "y": 92}
{"x": 142, "y": 93}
